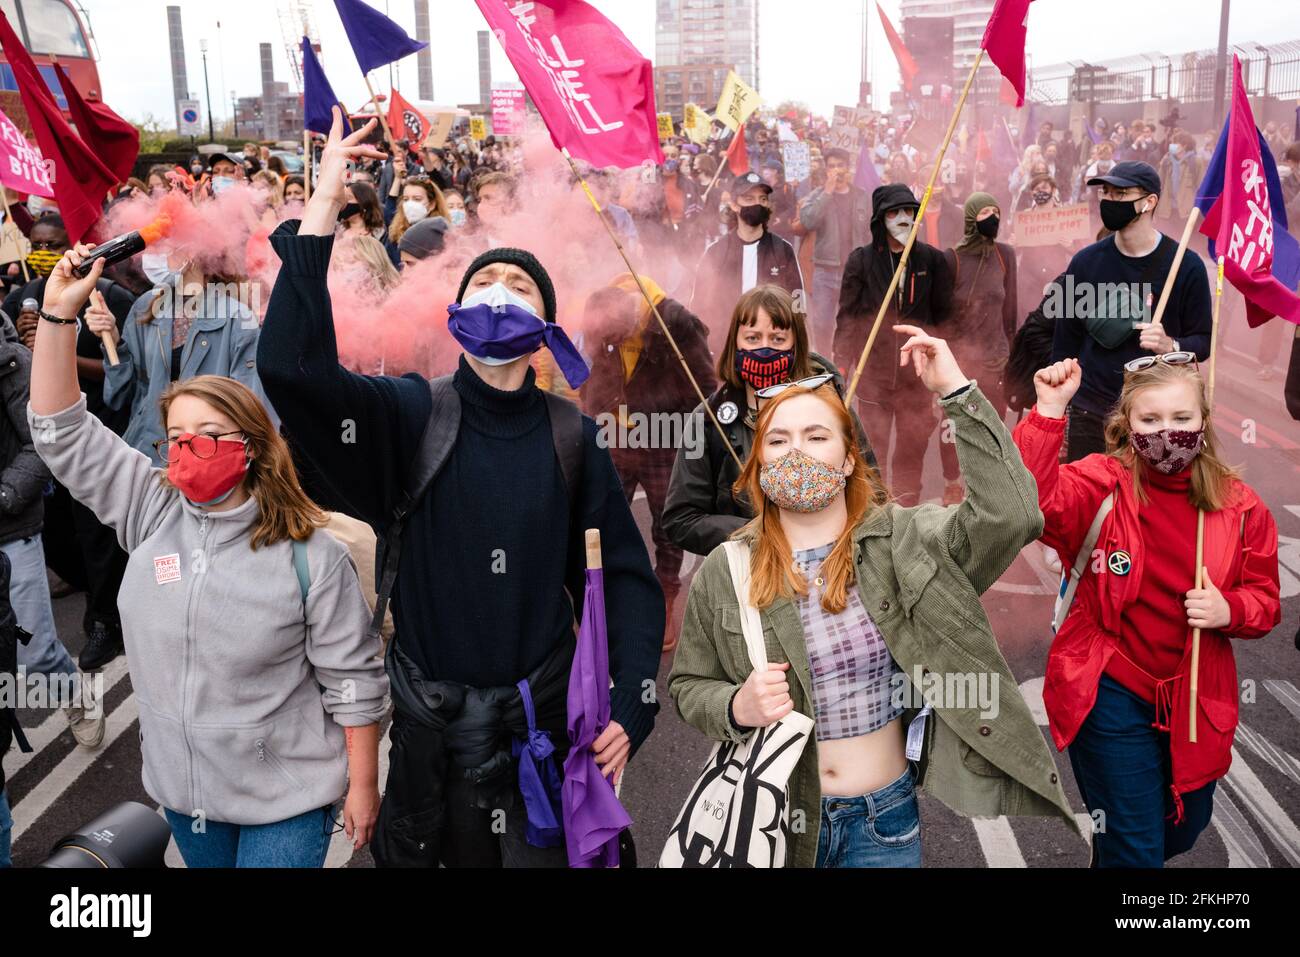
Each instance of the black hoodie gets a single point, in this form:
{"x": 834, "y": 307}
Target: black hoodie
{"x": 923, "y": 297}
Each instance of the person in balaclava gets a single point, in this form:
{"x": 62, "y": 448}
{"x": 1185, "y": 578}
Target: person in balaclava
{"x": 890, "y": 397}
{"x": 983, "y": 314}
{"x": 491, "y": 572}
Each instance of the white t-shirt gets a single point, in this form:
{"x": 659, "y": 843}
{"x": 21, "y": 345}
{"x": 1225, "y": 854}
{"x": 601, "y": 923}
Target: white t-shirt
{"x": 749, "y": 267}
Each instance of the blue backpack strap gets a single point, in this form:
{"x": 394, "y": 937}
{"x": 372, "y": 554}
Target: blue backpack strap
{"x": 303, "y": 571}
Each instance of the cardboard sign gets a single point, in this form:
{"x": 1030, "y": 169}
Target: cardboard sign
{"x": 439, "y": 129}
{"x": 1056, "y": 224}
{"x": 665, "y": 121}
{"x": 478, "y": 128}
{"x": 797, "y": 158}
{"x": 507, "y": 109}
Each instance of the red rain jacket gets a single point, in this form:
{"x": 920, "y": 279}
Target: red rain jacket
{"x": 1242, "y": 560}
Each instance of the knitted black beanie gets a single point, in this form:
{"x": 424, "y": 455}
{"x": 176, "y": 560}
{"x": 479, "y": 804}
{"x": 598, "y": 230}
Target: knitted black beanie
{"x": 525, "y": 261}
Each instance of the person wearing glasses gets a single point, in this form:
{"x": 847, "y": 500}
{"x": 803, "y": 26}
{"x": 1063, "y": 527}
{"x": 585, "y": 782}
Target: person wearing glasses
{"x": 862, "y": 600}
{"x": 1121, "y": 669}
{"x": 766, "y": 345}
{"x": 260, "y": 695}
{"x": 1106, "y": 304}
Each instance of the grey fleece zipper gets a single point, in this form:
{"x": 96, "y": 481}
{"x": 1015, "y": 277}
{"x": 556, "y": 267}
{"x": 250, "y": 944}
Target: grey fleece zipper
{"x": 187, "y": 669}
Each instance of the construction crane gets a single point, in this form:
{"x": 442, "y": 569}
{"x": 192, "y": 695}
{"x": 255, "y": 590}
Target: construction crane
{"x": 296, "y": 23}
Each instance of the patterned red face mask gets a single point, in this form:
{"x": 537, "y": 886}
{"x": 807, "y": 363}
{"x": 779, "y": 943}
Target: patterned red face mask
{"x": 1169, "y": 451}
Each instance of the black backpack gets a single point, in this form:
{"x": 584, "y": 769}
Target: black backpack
{"x": 11, "y": 633}
{"x": 1031, "y": 350}
{"x": 435, "y": 445}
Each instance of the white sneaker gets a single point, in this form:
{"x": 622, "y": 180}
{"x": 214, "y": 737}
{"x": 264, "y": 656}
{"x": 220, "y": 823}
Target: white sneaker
{"x": 88, "y": 732}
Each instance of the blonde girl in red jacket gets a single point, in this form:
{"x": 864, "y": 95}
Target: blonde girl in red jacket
{"x": 1117, "y": 689}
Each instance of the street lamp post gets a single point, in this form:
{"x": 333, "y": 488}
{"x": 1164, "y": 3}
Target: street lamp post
{"x": 203, "y": 49}
{"x": 234, "y": 113}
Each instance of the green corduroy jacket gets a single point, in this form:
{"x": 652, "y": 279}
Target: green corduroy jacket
{"x": 920, "y": 572}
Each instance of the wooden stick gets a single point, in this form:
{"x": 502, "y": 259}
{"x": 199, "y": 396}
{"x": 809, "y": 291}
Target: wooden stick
{"x": 1200, "y": 517}
{"x": 383, "y": 120}
{"x": 1173, "y": 269}
{"x": 600, "y": 213}
{"x": 306, "y": 166}
{"x": 911, "y": 237}
{"x": 593, "y": 549}
{"x": 9, "y": 221}
{"x": 722, "y": 157}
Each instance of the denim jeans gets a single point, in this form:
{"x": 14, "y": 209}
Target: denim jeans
{"x": 825, "y": 303}
{"x": 879, "y": 829}
{"x": 6, "y": 829}
{"x": 300, "y": 841}
{"x": 29, "y": 593}
{"x": 1121, "y": 764}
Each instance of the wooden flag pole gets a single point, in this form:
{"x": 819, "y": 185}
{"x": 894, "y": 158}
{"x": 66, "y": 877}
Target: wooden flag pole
{"x": 1200, "y": 516}
{"x": 722, "y": 162}
{"x": 1173, "y": 269}
{"x": 911, "y": 237}
{"x": 306, "y": 166}
{"x": 383, "y": 120}
{"x": 600, "y": 213}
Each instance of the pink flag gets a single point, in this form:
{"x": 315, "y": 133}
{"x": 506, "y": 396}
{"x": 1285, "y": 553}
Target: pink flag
{"x": 1241, "y": 220}
{"x": 594, "y": 89}
{"x": 21, "y": 167}
{"x": 1004, "y": 39}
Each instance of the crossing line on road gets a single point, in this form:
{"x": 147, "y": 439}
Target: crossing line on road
{"x": 56, "y": 722}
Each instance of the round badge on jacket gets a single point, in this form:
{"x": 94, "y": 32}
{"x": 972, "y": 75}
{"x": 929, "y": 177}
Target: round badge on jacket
{"x": 1119, "y": 562}
{"x": 727, "y": 413}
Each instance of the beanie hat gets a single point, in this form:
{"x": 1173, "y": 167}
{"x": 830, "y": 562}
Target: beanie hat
{"x": 425, "y": 238}
{"x": 525, "y": 261}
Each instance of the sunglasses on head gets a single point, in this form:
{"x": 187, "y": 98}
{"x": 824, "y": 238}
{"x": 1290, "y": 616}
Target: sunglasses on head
{"x": 1169, "y": 358}
{"x": 812, "y": 382}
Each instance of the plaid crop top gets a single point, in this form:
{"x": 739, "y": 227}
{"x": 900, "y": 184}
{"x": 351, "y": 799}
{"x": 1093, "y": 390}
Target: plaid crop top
{"x": 852, "y": 669}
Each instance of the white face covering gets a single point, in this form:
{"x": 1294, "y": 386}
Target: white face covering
{"x": 900, "y": 227}
{"x": 414, "y": 210}
{"x": 155, "y": 267}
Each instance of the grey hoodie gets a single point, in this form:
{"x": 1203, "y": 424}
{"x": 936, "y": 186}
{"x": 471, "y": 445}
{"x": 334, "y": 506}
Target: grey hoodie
{"x": 236, "y": 695}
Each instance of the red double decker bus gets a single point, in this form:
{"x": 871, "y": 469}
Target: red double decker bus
{"x": 53, "y": 28}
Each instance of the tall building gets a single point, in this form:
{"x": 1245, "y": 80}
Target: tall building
{"x": 696, "y": 43}
{"x": 969, "y": 18}
{"x": 484, "y": 68}
{"x": 424, "y": 59}
{"x": 270, "y": 126}
{"x": 180, "y": 84}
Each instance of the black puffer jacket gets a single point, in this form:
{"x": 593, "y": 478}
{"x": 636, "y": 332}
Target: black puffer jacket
{"x": 22, "y": 473}
{"x": 923, "y": 297}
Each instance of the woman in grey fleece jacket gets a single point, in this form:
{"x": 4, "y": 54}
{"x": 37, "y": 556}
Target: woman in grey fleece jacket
{"x": 250, "y": 665}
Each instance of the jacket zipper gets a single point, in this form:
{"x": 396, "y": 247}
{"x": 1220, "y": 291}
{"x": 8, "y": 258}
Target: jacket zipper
{"x": 185, "y": 673}
{"x": 263, "y": 753}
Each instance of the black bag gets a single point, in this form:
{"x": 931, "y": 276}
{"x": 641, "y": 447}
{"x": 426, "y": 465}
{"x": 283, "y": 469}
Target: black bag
{"x": 11, "y": 633}
{"x": 1031, "y": 350}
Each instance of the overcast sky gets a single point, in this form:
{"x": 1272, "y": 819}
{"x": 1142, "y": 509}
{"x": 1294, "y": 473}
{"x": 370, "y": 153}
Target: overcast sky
{"x": 809, "y": 49}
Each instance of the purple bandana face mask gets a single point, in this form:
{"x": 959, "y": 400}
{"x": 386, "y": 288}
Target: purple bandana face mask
{"x": 496, "y": 326}
{"x": 1170, "y": 450}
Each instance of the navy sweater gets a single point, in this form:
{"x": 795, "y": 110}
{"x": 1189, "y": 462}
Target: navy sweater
{"x": 489, "y": 558}
{"x": 1187, "y": 316}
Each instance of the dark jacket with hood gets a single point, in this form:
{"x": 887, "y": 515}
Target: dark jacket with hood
{"x": 719, "y": 276}
{"x": 984, "y": 293}
{"x": 700, "y": 512}
{"x": 923, "y": 298}
{"x": 22, "y": 473}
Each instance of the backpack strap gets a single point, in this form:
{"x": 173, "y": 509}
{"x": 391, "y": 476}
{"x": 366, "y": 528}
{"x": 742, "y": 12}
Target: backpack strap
{"x": 435, "y": 445}
{"x": 566, "y": 433}
{"x": 302, "y": 569}
{"x": 1070, "y": 583}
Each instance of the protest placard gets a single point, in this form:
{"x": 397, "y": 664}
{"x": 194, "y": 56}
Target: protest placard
{"x": 798, "y": 161}
{"x": 1056, "y": 224}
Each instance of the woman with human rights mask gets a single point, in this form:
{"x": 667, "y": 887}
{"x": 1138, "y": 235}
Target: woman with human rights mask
{"x": 864, "y": 605}
{"x": 1118, "y": 683}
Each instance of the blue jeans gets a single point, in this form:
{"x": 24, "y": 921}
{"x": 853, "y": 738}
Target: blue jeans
{"x": 1121, "y": 764}
{"x": 825, "y": 303}
{"x": 29, "y": 593}
{"x": 300, "y": 841}
{"x": 6, "y": 827}
{"x": 879, "y": 829}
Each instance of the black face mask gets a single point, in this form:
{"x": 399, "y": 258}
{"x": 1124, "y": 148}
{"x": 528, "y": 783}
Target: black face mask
{"x": 764, "y": 367}
{"x": 1041, "y": 199}
{"x": 988, "y": 228}
{"x": 1118, "y": 213}
{"x": 754, "y": 215}
{"x": 348, "y": 211}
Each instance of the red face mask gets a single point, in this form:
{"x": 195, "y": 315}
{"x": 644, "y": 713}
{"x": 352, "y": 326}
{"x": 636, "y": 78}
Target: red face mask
{"x": 208, "y": 481}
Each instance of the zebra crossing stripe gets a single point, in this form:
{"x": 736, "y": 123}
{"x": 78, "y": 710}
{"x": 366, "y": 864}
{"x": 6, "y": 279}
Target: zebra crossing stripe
{"x": 1243, "y": 847}
{"x": 56, "y": 723}
{"x": 1286, "y": 694}
{"x": 1270, "y": 752}
{"x": 1275, "y": 822}
{"x": 998, "y": 842}
{"x": 65, "y": 774}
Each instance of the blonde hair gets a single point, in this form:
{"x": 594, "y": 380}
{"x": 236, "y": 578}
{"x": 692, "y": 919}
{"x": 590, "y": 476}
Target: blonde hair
{"x": 274, "y": 184}
{"x": 437, "y": 207}
{"x": 1212, "y": 478}
{"x": 373, "y": 256}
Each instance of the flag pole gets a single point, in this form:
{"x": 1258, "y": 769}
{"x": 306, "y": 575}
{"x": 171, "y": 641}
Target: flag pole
{"x": 306, "y": 165}
{"x": 600, "y": 214}
{"x": 911, "y": 236}
{"x": 1200, "y": 516}
{"x": 722, "y": 157}
{"x": 383, "y": 120}
{"x": 9, "y": 220}
{"x": 1173, "y": 269}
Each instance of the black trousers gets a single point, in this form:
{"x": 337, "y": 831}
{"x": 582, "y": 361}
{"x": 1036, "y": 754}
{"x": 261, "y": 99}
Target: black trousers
{"x": 1087, "y": 434}
{"x": 85, "y": 554}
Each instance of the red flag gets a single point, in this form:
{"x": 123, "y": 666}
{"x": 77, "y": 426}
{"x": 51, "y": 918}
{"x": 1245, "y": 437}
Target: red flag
{"x": 1241, "y": 220}
{"x": 406, "y": 121}
{"x": 80, "y": 180}
{"x": 737, "y": 153}
{"x": 594, "y": 89}
{"x": 983, "y": 152}
{"x": 906, "y": 65}
{"x": 1004, "y": 39}
{"x": 112, "y": 139}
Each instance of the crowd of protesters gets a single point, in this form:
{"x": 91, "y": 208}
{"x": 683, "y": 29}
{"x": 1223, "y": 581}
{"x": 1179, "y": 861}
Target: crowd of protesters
{"x": 766, "y": 291}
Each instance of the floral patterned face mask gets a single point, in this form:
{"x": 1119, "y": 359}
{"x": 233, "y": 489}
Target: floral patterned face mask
{"x": 1170, "y": 450}
{"x": 800, "y": 483}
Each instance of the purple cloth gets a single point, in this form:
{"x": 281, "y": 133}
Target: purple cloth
{"x": 539, "y": 782}
{"x": 375, "y": 39}
{"x": 318, "y": 99}
{"x": 509, "y": 332}
{"x": 593, "y": 816}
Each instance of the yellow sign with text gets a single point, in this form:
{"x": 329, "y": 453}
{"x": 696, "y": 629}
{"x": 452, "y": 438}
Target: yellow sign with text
{"x": 478, "y": 128}
{"x": 738, "y": 100}
{"x": 695, "y": 123}
{"x": 665, "y": 126}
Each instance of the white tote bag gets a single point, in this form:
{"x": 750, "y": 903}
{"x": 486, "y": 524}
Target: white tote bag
{"x": 738, "y": 811}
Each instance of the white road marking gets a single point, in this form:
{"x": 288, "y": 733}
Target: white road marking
{"x": 1244, "y": 849}
{"x": 56, "y": 723}
{"x": 1275, "y": 822}
{"x": 998, "y": 842}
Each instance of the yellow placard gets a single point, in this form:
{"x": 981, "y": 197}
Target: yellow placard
{"x": 695, "y": 123}
{"x": 666, "y": 130}
{"x": 737, "y": 101}
{"x": 478, "y": 128}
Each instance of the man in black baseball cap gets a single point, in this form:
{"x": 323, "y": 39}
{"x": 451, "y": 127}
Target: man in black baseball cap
{"x": 748, "y": 256}
{"x": 1106, "y": 301}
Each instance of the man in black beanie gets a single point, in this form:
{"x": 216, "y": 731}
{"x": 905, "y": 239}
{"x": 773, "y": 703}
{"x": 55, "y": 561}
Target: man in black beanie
{"x": 490, "y": 549}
